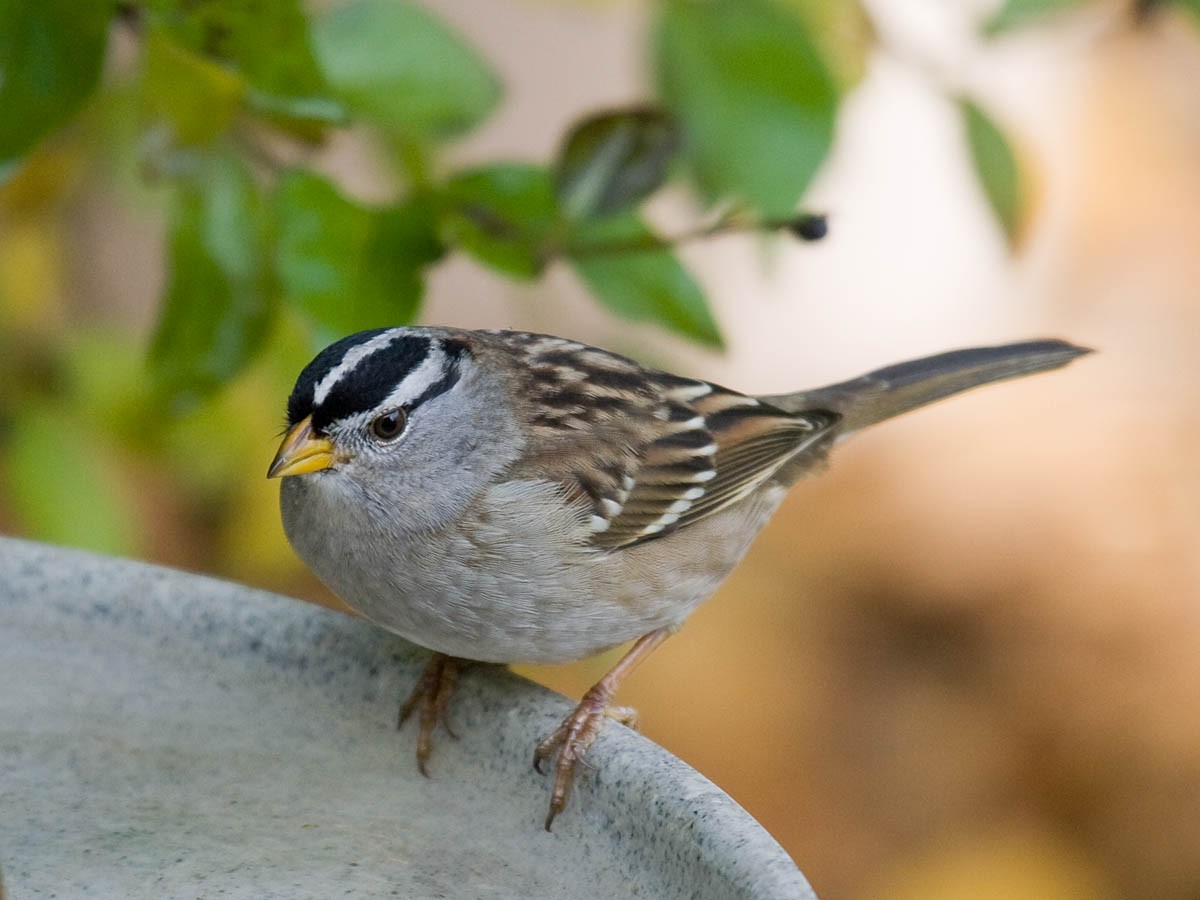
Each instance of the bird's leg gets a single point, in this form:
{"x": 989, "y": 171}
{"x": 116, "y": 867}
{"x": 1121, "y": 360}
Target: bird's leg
{"x": 431, "y": 695}
{"x": 575, "y": 735}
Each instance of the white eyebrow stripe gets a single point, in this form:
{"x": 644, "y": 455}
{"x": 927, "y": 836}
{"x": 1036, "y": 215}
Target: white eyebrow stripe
{"x": 429, "y": 372}
{"x": 353, "y": 357}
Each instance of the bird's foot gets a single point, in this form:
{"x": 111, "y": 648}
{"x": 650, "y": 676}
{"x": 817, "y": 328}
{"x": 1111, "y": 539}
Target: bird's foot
{"x": 430, "y": 697}
{"x": 571, "y": 740}
{"x": 578, "y": 731}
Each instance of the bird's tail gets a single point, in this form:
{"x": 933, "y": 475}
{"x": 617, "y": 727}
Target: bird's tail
{"x": 896, "y": 389}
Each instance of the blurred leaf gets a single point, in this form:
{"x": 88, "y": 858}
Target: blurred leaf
{"x": 756, "y": 101}
{"x": 843, "y": 33}
{"x": 112, "y": 131}
{"x": 48, "y": 174}
{"x": 109, "y": 392}
{"x": 1019, "y": 13}
{"x": 996, "y": 166}
{"x": 33, "y": 273}
{"x": 502, "y": 215}
{"x": 267, "y": 41}
{"x": 250, "y": 542}
{"x": 320, "y": 110}
{"x": 398, "y": 66}
{"x": 403, "y": 242}
{"x": 51, "y": 52}
{"x": 644, "y": 285}
{"x": 1192, "y": 6}
{"x": 221, "y": 291}
{"x": 267, "y": 45}
{"x": 270, "y": 43}
{"x": 59, "y": 482}
{"x": 347, "y": 266}
{"x": 612, "y": 161}
{"x": 197, "y": 96}
{"x": 228, "y": 441}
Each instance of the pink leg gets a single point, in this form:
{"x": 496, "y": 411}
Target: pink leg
{"x": 575, "y": 735}
{"x": 431, "y": 695}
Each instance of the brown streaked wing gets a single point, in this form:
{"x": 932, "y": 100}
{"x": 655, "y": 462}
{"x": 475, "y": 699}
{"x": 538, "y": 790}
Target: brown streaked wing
{"x": 751, "y": 440}
{"x": 728, "y": 445}
{"x": 587, "y": 413}
{"x": 754, "y": 444}
{"x": 647, "y": 452}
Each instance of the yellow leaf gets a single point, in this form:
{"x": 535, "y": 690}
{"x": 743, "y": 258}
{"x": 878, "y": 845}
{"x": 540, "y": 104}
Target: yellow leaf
{"x": 199, "y": 98}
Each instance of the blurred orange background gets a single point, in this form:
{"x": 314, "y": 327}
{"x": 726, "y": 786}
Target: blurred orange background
{"x": 963, "y": 662}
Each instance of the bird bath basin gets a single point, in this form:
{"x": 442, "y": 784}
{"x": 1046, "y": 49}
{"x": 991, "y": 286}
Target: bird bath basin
{"x": 169, "y": 735}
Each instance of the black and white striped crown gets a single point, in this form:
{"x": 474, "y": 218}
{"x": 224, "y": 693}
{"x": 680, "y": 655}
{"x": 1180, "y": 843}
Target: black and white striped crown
{"x": 374, "y": 370}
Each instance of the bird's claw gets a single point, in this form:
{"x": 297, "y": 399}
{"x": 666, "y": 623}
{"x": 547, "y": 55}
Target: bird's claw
{"x": 571, "y": 740}
{"x": 430, "y": 697}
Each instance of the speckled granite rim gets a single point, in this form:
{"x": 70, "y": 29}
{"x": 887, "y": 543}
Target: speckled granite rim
{"x": 169, "y": 735}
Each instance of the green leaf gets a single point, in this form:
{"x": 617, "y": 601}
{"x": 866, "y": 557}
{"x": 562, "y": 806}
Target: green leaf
{"x": 59, "y": 484}
{"x": 220, "y": 291}
{"x": 503, "y": 215}
{"x": 347, "y": 266}
{"x": 393, "y": 63}
{"x": 612, "y": 161}
{"x": 318, "y": 110}
{"x": 198, "y": 97}
{"x": 1192, "y": 6}
{"x": 403, "y": 242}
{"x": 266, "y": 46}
{"x": 843, "y": 34}
{"x": 51, "y": 53}
{"x": 1019, "y": 13}
{"x": 109, "y": 391}
{"x": 267, "y": 41}
{"x": 644, "y": 285}
{"x": 996, "y": 166}
{"x": 756, "y": 101}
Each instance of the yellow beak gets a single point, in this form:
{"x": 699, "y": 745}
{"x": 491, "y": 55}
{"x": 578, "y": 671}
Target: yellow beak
{"x": 301, "y": 452}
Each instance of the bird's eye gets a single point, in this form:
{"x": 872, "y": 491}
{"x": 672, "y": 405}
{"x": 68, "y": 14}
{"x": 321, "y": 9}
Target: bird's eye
{"x": 389, "y": 425}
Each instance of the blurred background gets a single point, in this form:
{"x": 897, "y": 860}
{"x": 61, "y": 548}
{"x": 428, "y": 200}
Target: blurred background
{"x": 963, "y": 662}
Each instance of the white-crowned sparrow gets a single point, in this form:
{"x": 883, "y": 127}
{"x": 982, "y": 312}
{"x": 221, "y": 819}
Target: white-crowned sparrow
{"x": 505, "y": 497}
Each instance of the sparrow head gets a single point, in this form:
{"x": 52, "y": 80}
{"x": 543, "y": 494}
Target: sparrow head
{"x": 403, "y": 417}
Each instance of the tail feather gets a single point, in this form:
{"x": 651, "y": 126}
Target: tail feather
{"x": 897, "y": 389}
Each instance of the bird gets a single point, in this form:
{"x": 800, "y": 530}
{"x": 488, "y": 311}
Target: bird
{"x": 505, "y": 496}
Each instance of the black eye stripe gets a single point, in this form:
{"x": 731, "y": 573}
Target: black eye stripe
{"x": 372, "y": 379}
